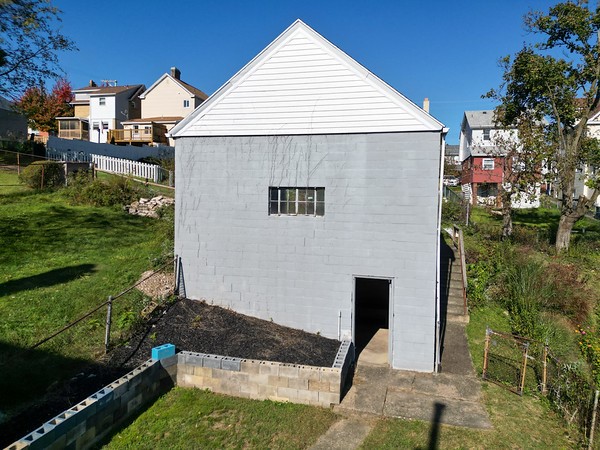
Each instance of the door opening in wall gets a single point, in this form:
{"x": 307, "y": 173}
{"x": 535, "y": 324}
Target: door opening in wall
{"x": 371, "y": 317}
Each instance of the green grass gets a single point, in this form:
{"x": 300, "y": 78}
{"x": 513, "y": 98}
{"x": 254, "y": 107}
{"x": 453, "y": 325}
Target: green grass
{"x": 191, "y": 418}
{"x": 57, "y": 262}
{"x": 519, "y": 422}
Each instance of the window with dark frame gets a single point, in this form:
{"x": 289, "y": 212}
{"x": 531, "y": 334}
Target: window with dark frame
{"x": 186, "y": 103}
{"x": 486, "y": 134}
{"x": 297, "y": 201}
{"x": 102, "y": 101}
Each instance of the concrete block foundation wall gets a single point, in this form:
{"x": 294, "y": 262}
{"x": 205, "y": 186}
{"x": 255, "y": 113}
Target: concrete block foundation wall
{"x": 86, "y": 423}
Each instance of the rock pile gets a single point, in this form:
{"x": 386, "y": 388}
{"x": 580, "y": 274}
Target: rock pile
{"x": 149, "y": 207}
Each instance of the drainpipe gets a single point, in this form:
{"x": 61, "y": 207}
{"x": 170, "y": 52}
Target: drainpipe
{"x": 437, "y": 361}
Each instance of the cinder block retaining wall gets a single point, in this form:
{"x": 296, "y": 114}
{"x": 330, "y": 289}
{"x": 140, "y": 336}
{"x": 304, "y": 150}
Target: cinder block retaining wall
{"x": 88, "y": 422}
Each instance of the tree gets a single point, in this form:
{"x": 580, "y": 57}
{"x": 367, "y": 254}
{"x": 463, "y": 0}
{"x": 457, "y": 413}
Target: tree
{"x": 555, "y": 81}
{"x": 42, "y": 108}
{"x": 29, "y": 44}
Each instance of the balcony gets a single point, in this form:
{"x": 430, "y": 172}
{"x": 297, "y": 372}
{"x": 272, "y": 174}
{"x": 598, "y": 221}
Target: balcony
{"x": 149, "y": 134}
{"x": 73, "y": 128}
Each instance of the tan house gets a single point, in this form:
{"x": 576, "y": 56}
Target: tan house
{"x": 164, "y": 104}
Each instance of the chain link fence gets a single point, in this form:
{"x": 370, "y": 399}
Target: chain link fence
{"x": 526, "y": 366}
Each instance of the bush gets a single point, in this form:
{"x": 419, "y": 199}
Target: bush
{"x": 116, "y": 191}
{"x": 451, "y": 211}
{"x": 43, "y": 175}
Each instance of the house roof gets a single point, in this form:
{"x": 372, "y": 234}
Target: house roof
{"x": 488, "y": 150}
{"x": 188, "y": 87}
{"x": 480, "y": 119}
{"x": 161, "y": 119}
{"x": 113, "y": 90}
{"x": 302, "y": 84}
{"x": 6, "y": 104}
{"x": 452, "y": 150}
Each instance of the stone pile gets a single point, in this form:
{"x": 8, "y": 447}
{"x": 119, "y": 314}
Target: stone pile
{"x": 149, "y": 207}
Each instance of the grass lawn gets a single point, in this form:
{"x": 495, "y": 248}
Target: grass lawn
{"x": 192, "y": 418}
{"x": 57, "y": 262}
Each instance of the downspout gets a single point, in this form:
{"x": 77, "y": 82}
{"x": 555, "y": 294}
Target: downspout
{"x": 438, "y": 344}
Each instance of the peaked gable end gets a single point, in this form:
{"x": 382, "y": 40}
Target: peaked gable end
{"x": 303, "y": 84}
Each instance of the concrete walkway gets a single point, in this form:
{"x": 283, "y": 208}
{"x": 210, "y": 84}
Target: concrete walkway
{"x": 452, "y": 397}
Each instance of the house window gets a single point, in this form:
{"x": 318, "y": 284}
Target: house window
{"x": 488, "y": 164}
{"x": 297, "y": 201}
{"x": 486, "y": 134}
{"x": 487, "y": 190}
{"x": 105, "y": 125}
{"x": 186, "y": 103}
{"x": 96, "y": 126}
{"x": 102, "y": 101}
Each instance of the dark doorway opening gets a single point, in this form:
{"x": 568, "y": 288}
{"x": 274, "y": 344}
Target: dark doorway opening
{"x": 372, "y": 309}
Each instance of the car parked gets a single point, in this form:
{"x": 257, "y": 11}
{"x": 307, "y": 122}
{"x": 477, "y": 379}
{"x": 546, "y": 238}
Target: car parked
{"x": 450, "y": 180}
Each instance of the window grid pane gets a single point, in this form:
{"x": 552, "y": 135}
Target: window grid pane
{"x": 297, "y": 201}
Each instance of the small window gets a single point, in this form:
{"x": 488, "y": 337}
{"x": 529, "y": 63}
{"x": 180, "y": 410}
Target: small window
{"x": 486, "y": 134}
{"x": 96, "y": 126}
{"x": 186, "y": 103}
{"x": 488, "y": 164}
{"x": 102, "y": 101}
{"x": 105, "y": 125}
{"x": 297, "y": 201}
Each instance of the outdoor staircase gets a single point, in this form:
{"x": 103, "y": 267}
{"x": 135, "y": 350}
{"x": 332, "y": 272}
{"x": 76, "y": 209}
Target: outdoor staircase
{"x": 455, "y": 356}
{"x": 467, "y": 191}
{"x": 452, "y": 286}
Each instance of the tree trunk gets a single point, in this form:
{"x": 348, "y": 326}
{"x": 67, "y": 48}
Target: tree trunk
{"x": 507, "y": 224}
{"x": 569, "y": 216}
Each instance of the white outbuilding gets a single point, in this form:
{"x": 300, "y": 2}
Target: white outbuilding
{"x": 308, "y": 193}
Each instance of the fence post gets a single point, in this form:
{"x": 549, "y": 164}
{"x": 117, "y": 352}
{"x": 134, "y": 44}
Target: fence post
{"x": 42, "y": 181}
{"x": 171, "y": 184}
{"x": 486, "y": 351}
{"x": 18, "y": 164}
{"x": 522, "y": 386}
{"x": 108, "y": 322}
{"x": 593, "y": 425}
{"x": 545, "y": 370}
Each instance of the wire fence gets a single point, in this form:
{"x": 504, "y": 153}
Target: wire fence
{"x": 526, "y": 366}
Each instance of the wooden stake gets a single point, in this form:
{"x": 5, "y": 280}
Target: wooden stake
{"x": 522, "y": 386}
{"x": 545, "y": 371}
{"x": 486, "y": 351}
{"x": 593, "y": 425}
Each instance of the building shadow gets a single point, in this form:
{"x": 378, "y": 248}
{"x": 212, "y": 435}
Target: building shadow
{"x": 447, "y": 259}
{"x": 46, "y": 279}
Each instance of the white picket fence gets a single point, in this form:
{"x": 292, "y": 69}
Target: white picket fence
{"x": 127, "y": 167}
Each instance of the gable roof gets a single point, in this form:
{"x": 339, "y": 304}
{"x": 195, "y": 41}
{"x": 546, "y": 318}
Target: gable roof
{"x": 188, "y": 87}
{"x": 480, "y": 119}
{"x": 303, "y": 84}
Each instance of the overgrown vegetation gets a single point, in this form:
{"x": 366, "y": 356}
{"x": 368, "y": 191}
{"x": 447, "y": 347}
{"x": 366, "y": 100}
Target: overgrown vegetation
{"x": 43, "y": 175}
{"x": 83, "y": 189}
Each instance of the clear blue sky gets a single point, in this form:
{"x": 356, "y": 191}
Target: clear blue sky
{"x": 447, "y": 51}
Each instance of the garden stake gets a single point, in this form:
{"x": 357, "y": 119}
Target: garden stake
{"x": 593, "y": 426}
{"x": 526, "y": 347}
{"x": 108, "y": 322}
{"x": 545, "y": 370}
{"x": 486, "y": 353}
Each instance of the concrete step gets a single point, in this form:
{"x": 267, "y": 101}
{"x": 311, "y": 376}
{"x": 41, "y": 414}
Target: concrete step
{"x": 455, "y": 308}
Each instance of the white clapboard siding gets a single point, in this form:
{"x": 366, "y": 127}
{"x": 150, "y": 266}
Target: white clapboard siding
{"x": 126, "y": 167}
{"x": 302, "y": 84}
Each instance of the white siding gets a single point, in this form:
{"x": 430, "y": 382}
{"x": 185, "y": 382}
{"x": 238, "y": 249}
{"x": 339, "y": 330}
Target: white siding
{"x": 304, "y": 85}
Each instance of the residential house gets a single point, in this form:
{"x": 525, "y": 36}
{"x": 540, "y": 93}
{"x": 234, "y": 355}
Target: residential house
{"x": 163, "y": 104}
{"x": 580, "y": 187}
{"x": 483, "y": 158}
{"x": 309, "y": 193}
{"x": 12, "y": 124}
{"x": 99, "y": 109}
{"x": 452, "y": 157}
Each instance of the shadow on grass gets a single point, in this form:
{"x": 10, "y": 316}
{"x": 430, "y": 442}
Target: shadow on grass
{"x": 36, "y": 385}
{"x": 50, "y": 278}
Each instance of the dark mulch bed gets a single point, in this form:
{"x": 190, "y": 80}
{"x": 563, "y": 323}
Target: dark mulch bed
{"x": 189, "y": 325}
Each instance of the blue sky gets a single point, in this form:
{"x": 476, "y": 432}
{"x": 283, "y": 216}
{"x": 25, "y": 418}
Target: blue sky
{"x": 447, "y": 51}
